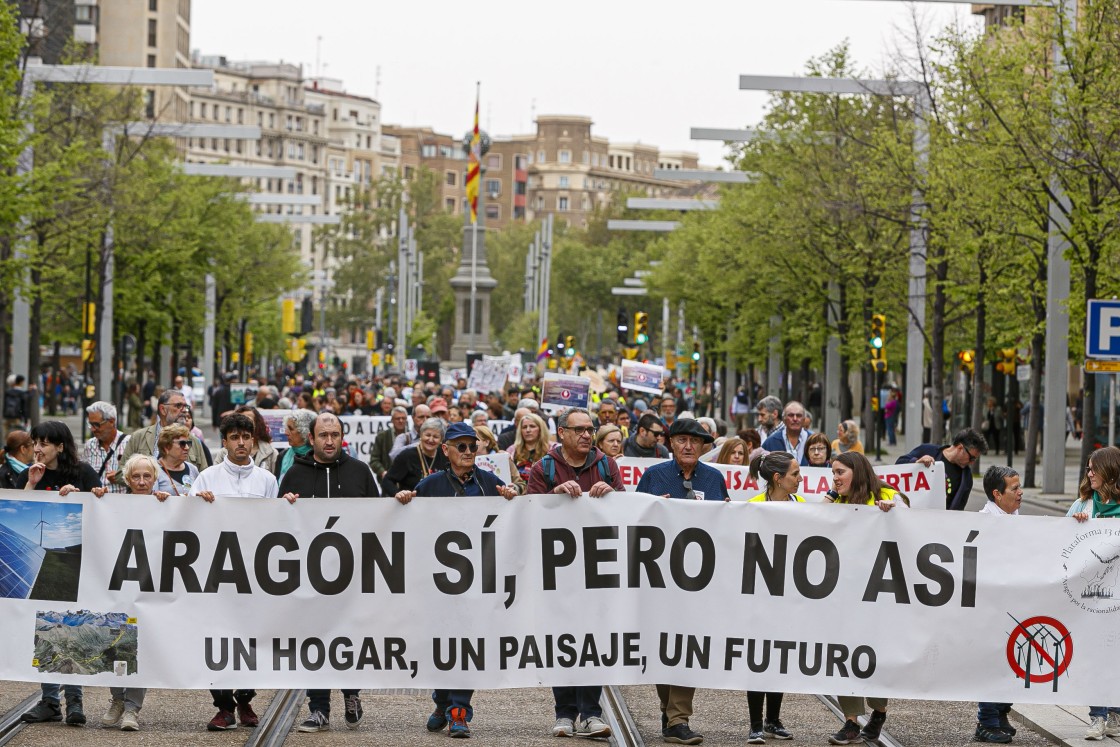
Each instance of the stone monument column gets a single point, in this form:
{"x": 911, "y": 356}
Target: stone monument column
{"x": 484, "y": 282}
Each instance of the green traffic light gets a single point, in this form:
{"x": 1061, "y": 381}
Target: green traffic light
{"x": 641, "y": 339}
{"x": 696, "y": 356}
{"x": 876, "y": 342}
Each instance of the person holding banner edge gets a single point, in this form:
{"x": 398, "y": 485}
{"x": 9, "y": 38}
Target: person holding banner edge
{"x": 1099, "y": 498}
{"x": 782, "y": 476}
{"x": 854, "y": 482}
{"x": 574, "y": 467}
{"x": 684, "y": 476}
{"x": 453, "y": 707}
{"x": 1005, "y": 495}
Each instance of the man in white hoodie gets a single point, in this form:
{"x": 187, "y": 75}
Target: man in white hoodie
{"x": 236, "y": 475}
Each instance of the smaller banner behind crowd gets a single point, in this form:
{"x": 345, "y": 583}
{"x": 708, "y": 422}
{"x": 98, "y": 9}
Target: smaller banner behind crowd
{"x": 550, "y": 590}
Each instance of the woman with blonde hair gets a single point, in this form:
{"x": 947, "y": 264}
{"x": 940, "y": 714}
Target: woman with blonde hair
{"x": 609, "y": 440}
{"x": 733, "y": 451}
{"x": 847, "y": 438}
{"x": 530, "y": 445}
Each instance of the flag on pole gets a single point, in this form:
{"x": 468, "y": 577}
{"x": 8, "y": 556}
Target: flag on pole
{"x": 542, "y": 353}
{"x": 474, "y": 166}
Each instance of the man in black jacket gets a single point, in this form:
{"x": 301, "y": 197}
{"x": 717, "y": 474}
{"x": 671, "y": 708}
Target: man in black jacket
{"x": 643, "y": 442}
{"x": 328, "y": 472}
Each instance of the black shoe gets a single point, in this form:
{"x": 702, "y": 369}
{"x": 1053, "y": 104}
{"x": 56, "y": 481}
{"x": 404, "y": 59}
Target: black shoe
{"x": 849, "y": 734}
{"x": 353, "y": 711}
{"x": 1005, "y": 725}
{"x": 681, "y": 734}
{"x": 664, "y": 722}
{"x": 992, "y": 734}
{"x": 874, "y": 727}
{"x": 775, "y": 730}
{"x": 44, "y": 710}
{"x": 75, "y": 714}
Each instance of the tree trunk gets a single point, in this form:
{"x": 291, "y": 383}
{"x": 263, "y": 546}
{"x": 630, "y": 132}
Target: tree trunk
{"x": 1088, "y": 400}
{"x": 940, "y": 270}
{"x": 141, "y": 339}
{"x": 1034, "y": 424}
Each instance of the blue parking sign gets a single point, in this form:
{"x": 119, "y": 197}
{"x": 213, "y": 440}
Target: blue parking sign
{"x": 1102, "y": 329}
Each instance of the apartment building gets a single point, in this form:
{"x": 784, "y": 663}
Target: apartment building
{"x": 439, "y": 153}
{"x": 120, "y": 33}
{"x": 999, "y": 15}
{"x": 562, "y": 169}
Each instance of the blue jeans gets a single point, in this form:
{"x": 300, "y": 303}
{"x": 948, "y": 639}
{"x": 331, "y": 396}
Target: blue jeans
{"x": 445, "y": 699}
{"x": 578, "y": 702}
{"x": 73, "y": 692}
{"x": 987, "y": 714}
{"x": 1103, "y": 711}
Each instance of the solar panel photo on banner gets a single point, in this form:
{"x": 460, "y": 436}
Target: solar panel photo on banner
{"x": 20, "y": 561}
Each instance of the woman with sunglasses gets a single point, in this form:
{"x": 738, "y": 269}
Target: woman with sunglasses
{"x": 176, "y": 474}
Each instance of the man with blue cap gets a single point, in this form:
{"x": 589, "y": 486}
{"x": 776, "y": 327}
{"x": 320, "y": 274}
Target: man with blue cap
{"x": 460, "y": 444}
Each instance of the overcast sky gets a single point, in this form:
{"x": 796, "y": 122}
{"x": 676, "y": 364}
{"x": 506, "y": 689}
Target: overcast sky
{"x": 643, "y": 71}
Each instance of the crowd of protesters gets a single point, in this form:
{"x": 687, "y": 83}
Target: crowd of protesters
{"x": 434, "y": 436}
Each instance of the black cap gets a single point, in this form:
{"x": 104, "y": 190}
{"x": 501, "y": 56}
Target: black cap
{"x": 689, "y": 427}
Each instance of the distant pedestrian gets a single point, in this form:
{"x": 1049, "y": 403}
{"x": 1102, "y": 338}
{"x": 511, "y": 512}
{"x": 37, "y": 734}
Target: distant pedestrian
{"x": 958, "y": 459}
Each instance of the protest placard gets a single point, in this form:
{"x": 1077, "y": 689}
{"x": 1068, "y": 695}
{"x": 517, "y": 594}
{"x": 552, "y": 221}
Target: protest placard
{"x": 642, "y": 377}
{"x": 560, "y": 392}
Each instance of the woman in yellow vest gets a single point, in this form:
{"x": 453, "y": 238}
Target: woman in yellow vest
{"x": 780, "y": 476}
{"x": 855, "y": 482}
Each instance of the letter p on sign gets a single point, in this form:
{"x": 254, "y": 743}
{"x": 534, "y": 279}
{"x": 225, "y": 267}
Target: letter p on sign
{"x": 1102, "y": 333}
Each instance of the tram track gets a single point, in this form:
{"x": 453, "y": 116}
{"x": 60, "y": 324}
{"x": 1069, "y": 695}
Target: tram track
{"x": 10, "y": 723}
{"x": 278, "y": 719}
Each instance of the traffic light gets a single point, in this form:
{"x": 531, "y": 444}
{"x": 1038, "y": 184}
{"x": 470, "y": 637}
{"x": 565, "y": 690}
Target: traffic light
{"x": 288, "y": 316}
{"x": 322, "y": 356}
{"x": 569, "y": 346}
{"x": 87, "y": 350}
{"x": 560, "y": 343}
{"x": 696, "y": 351}
{"x": 875, "y": 343}
{"x": 641, "y": 328}
{"x": 623, "y": 327}
{"x": 371, "y": 340}
{"x": 878, "y": 331}
{"x": 967, "y": 360}
{"x": 1008, "y": 357}
{"x": 306, "y": 317}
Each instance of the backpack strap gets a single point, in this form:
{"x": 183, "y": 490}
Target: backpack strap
{"x": 548, "y": 464}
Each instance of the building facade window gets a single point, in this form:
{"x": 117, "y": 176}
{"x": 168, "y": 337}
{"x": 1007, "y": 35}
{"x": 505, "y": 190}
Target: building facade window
{"x": 562, "y": 204}
{"x": 451, "y": 179}
{"x": 151, "y": 58}
{"x": 494, "y": 161}
{"x": 563, "y": 182}
{"x": 493, "y": 186}
{"x": 152, "y": 35}
{"x": 564, "y": 156}
{"x": 153, "y": 5}
{"x": 493, "y": 212}
{"x": 540, "y": 156}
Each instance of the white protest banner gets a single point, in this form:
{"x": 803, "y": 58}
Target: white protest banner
{"x": 490, "y": 373}
{"x": 411, "y": 368}
{"x": 360, "y": 431}
{"x": 498, "y": 463}
{"x": 477, "y": 593}
{"x": 924, "y": 486}
{"x": 516, "y": 370}
{"x": 560, "y": 392}
{"x": 642, "y": 377}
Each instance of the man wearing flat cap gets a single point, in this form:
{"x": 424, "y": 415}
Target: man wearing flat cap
{"x": 460, "y": 444}
{"x": 683, "y": 476}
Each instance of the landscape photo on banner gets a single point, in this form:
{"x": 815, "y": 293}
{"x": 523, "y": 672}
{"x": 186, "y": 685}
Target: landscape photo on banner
{"x": 476, "y": 593}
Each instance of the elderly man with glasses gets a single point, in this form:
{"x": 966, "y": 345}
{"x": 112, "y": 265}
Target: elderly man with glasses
{"x": 171, "y": 408}
{"x": 104, "y": 448}
{"x": 453, "y": 707}
{"x": 958, "y": 459}
{"x": 683, "y": 476}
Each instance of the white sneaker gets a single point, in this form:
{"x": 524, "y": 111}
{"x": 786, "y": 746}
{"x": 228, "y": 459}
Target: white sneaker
{"x": 564, "y": 727}
{"x": 593, "y": 727}
{"x": 1097, "y": 730}
{"x": 112, "y": 716}
{"x": 1112, "y": 726}
{"x": 130, "y": 720}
